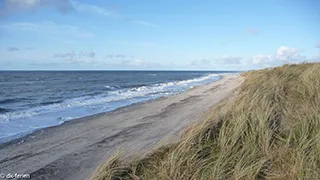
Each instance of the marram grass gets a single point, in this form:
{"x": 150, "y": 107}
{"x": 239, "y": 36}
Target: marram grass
{"x": 269, "y": 130}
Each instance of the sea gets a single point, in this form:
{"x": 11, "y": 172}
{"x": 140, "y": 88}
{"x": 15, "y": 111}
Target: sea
{"x": 31, "y": 100}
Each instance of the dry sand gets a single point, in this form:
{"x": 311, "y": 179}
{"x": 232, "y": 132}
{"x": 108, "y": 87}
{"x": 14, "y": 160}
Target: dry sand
{"x": 74, "y": 149}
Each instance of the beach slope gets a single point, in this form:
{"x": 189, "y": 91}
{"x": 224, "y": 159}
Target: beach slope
{"x": 74, "y": 149}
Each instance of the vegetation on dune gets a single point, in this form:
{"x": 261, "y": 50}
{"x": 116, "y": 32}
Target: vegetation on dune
{"x": 270, "y": 130}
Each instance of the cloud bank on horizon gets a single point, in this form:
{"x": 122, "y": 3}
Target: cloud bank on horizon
{"x": 219, "y": 35}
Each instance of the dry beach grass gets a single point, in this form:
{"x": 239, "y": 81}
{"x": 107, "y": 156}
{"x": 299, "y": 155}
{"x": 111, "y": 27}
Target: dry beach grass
{"x": 269, "y": 130}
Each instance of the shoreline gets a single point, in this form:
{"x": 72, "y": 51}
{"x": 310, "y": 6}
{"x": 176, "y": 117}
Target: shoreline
{"x": 23, "y": 135}
{"x": 27, "y": 136}
{"x": 75, "y": 148}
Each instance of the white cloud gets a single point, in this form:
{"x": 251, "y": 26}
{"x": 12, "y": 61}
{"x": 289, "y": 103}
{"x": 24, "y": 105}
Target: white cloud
{"x": 283, "y": 54}
{"x": 48, "y": 28}
{"x": 136, "y": 62}
{"x": 89, "y": 54}
{"x": 115, "y": 61}
{"x": 132, "y": 64}
{"x": 74, "y": 57}
{"x": 93, "y": 9}
{"x": 65, "y": 55}
{"x": 119, "y": 56}
{"x": 88, "y": 8}
{"x": 15, "y": 6}
{"x": 260, "y": 58}
{"x": 318, "y": 45}
{"x": 226, "y": 59}
{"x": 22, "y": 3}
{"x": 201, "y": 62}
{"x": 140, "y": 64}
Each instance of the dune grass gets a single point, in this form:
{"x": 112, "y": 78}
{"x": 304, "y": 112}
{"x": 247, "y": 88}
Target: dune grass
{"x": 270, "y": 130}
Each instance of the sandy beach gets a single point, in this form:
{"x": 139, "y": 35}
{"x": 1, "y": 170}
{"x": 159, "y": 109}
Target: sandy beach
{"x": 74, "y": 149}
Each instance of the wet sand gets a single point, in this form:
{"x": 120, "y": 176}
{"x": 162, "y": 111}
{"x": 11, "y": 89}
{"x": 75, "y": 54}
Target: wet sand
{"x": 74, "y": 149}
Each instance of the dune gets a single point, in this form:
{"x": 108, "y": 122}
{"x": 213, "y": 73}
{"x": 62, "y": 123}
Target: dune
{"x": 270, "y": 129}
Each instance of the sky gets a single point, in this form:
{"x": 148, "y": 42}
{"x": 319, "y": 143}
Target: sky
{"x": 157, "y": 35}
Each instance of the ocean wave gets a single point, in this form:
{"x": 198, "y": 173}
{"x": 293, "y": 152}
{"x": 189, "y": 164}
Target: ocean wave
{"x": 138, "y": 90}
{"x": 50, "y": 102}
{"x": 112, "y": 87}
{"x": 125, "y": 86}
{"x": 56, "y": 112}
{"x": 4, "y": 110}
{"x": 133, "y": 85}
{"x": 7, "y": 101}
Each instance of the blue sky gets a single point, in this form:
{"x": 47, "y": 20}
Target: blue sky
{"x": 141, "y": 34}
